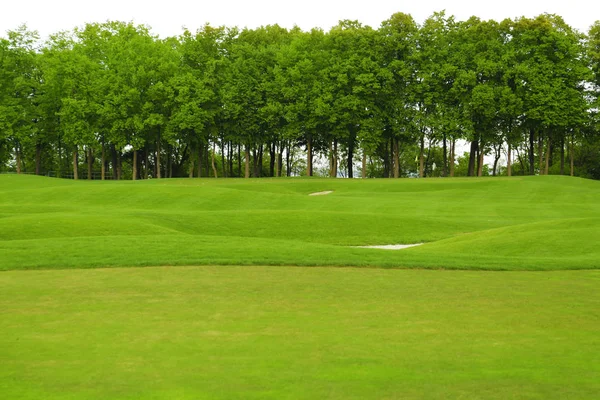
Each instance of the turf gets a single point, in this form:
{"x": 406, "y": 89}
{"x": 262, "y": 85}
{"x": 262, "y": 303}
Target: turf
{"x": 73, "y": 329}
{"x": 525, "y": 223}
{"x": 299, "y": 333}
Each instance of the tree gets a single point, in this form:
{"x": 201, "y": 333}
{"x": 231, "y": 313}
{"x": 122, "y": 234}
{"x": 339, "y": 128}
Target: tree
{"x": 197, "y": 101}
{"x": 437, "y": 97}
{"x": 549, "y": 78}
{"x": 19, "y": 91}
{"x": 396, "y": 101}
{"x": 353, "y": 69}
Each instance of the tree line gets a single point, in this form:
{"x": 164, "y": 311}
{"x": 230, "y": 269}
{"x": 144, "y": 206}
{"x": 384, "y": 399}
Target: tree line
{"x": 394, "y": 101}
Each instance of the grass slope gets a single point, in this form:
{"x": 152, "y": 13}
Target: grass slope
{"x": 299, "y": 333}
{"x": 530, "y": 223}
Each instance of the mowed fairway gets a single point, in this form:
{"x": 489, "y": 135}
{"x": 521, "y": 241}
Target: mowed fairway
{"x": 299, "y": 333}
{"x": 533, "y": 223}
{"x": 502, "y": 301}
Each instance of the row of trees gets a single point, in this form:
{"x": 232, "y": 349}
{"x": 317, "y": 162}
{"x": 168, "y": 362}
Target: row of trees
{"x": 268, "y": 101}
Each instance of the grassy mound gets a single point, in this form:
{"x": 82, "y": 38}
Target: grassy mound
{"x": 528, "y": 223}
{"x": 265, "y": 332}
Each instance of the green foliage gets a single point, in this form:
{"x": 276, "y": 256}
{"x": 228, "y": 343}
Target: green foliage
{"x": 113, "y": 87}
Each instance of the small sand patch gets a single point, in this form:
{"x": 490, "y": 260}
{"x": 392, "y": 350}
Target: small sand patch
{"x": 390, "y": 246}
{"x": 321, "y": 193}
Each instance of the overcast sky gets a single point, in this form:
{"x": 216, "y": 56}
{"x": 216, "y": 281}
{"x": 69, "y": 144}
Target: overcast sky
{"x": 168, "y": 17}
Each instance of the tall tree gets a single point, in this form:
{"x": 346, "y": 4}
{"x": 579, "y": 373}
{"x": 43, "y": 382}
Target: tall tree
{"x": 550, "y": 80}
{"x": 19, "y": 92}
{"x": 396, "y": 99}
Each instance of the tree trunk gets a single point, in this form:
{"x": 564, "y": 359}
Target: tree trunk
{"x": 146, "y": 161}
{"x": 386, "y": 151}
{"x": 531, "y": 155}
{"x": 75, "y": 171}
{"x": 309, "y": 160}
{"x": 169, "y": 166}
{"x": 335, "y": 161}
{"x": 351, "y": 157}
{"x": 103, "y": 166}
{"x": 247, "y": 162}
{"x": 223, "y": 159}
{"x": 445, "y": 157}
{"x": 272, "y": 152}
{"x": 38, "y": 158}
{"x": 239, "y": 160}
{"x": 90, "y": 162}
{"x": 18, "y": 156}
{"x": 59, "y": 164}
{"x": 331, "y": 159}
{"x": 288, "y": 160}
{"x": 548, "y": 151}
{"x": 212, "y": 161}
{"x": 396, "y": 158}
{"x": 480, "y": 162}
{"x": 191, "y": 170}
{"x": 230, "y": 158}
{"x": 572, "y": 155}
{"x": 254, "y": 162}
{"x": 200, "y": 160}
{"x": 186, "y": 154}
{"x": 260, "y": 161}
{"x": 562, "y": 155}
{"x": 452, "y": 156}
{"x": 422, "y": 158}
{"x": 206, "y": 158}
{"x": 279, "y": 163}
{"x": 541, "y": 154}
{"x": 113, "y": 159}
{"x": 472, "y": 154}
{"x": 280, "y": 160}
{"x": 158, "y": 158}
{"x": 478, "y": 159}
{"x": 428, "y": 159}
{"x": 155, "y": 165}
{"x": 551, "y": 153}
{"x": 119, "y": 165}
{"x": 364, "y": 164}
{"x": 497, "y": 153}
{"x": 134, "y": 166}
{"x": 508, "y": 161}
{"x": 521, "y": 162}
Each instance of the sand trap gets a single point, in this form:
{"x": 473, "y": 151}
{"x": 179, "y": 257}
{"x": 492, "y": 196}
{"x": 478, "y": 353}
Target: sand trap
{"x": 390, "y": 246}
{"x": 321, "y": 193}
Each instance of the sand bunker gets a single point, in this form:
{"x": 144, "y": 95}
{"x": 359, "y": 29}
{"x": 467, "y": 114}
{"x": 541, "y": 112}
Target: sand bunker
{"x": 390, "y": 246}
{"x": 321, "y": 193}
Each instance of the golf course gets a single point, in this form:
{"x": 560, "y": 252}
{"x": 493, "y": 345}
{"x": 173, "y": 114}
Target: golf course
{"x": 257, "y": 288}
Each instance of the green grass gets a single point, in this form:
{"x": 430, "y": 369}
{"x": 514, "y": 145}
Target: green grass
{"x": 73, "y": 329}
{"x": 299, "y": 333}
{"x": 529, "y": 223}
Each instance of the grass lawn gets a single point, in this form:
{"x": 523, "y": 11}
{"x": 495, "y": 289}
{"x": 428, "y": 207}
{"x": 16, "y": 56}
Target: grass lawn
{"x": 522, "y": 223}
{"x": 221, "y": 332}
{"x": 502, "y": 300}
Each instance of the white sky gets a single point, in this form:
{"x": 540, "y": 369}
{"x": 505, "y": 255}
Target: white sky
{"x": 168, "y": 17}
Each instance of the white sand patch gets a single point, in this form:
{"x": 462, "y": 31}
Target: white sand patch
{"x": 321, "y": 193}
{"x": 390, "y": 246}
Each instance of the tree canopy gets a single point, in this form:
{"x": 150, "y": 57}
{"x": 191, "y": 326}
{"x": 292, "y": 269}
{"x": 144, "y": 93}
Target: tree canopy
{"x": 390, "y": 101}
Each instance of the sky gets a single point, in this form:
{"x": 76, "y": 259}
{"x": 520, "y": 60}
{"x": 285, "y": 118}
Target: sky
{"x": 167, "y": 18}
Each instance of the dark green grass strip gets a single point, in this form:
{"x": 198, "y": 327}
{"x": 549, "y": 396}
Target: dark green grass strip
{"x": 181, "y": 249}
